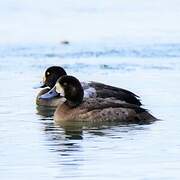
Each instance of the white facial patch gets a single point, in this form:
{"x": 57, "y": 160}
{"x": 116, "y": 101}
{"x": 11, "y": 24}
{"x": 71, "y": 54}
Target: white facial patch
{"x": 44, "y": 79}
{"x": 59, "y": 89}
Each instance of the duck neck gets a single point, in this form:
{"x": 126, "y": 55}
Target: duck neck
{"x": 72, "y": 104}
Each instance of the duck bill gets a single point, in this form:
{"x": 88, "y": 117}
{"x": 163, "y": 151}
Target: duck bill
{"x": 50, "y": 94}
{"x": 40, "y": 85}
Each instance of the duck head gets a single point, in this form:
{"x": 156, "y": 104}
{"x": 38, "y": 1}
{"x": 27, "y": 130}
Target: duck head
{"x": 52, "y": 74}
{"x": 68, "y": 87}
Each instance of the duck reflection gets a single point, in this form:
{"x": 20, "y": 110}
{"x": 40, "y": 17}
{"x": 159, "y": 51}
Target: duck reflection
{"x": 65, "y": 143}
{"x": 74, "y": 130}
{"x": 45, "y": 111}
{"x": 99, "y": 128}
{"x": 66, "y": 138}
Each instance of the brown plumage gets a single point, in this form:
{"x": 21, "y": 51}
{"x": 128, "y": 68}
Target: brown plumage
{"x": 103, "y": 110}
{"x": 75, "y": 108}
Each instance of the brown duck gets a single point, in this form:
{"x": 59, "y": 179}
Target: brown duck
{"x": 78, "y": 108}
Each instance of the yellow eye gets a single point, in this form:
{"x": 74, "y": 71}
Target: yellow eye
{"x": 48, "y": 73}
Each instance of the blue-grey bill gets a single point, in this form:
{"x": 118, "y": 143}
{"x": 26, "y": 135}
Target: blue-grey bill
{"x": 50, "y": 94}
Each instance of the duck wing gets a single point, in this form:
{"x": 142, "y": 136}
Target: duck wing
{"x": 95, "y": 110}
{"x": 101, "y": 103}
{"x": 109, "y": 109}
{"x": 106, "y": 91}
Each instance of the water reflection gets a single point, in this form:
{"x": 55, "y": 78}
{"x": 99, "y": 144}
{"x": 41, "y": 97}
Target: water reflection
{"x": 60, "y": 133}
{"x": 65, "y": 143}
{"x": 76, "y": 144}
{"x": 45, "y": 111}
{"x": 57, "y": 135}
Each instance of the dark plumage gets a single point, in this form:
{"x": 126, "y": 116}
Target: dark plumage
{"x": 75, "y": 108}
{"x": 105, "y": 91}
{"x": 52, "y": 74}
{"x": 50, "y": 77}
{"x": 91, "y": 89}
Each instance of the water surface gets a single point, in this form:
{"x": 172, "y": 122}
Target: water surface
{"x": 32, "y": 146}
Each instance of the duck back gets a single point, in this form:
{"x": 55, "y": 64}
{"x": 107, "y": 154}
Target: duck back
{"x": 106, "y": 91}
{"x": 103, "y": 110}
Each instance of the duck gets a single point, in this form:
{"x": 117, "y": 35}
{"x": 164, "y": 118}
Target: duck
{"x": 91, "y": 89}
{"x": 76, "y": 107}
{"x": 49, "y": 79}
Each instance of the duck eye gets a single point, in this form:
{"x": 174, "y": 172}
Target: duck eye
{"x": 48, "y": 73}
{"x": 65, "y": 84}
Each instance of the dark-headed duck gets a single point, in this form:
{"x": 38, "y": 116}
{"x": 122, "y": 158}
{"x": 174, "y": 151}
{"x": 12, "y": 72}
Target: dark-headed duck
{"x": 91, "y": 89}
{"x": 78, "y": 108}
{"x": 49, "y": 80}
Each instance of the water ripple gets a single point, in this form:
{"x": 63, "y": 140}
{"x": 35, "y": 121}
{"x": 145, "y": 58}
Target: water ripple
{"x": 76, "y": 50}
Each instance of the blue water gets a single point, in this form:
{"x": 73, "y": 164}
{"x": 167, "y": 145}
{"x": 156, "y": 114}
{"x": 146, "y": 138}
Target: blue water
{"x": 32, "y": 146}
{"x": 88, "y": 50}
{"x": 133, "y": 45}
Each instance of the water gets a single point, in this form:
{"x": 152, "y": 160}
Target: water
{"x": 32, "y": 146}
{"x": 140, "y": 53}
